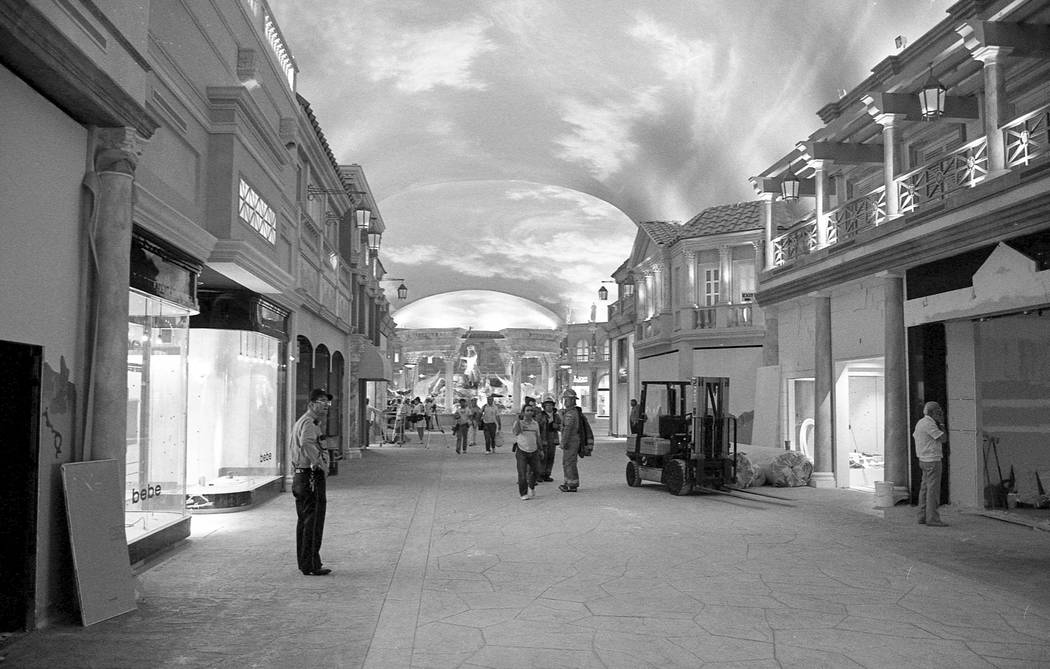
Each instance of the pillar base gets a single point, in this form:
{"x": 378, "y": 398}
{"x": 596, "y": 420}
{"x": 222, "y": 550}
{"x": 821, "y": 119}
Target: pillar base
{"x": 901, "y": 493}
{"x": 822, "y": 480}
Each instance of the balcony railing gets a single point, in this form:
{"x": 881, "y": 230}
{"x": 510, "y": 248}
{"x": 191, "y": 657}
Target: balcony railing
{"x": 722, "y": 317}
{"x": 1027, "y": 138}
{"x": 963, "y": 168}
{"x": 857, "y": 215}
{"x": 621, "y": 307}
{"x": 795, "y": 243}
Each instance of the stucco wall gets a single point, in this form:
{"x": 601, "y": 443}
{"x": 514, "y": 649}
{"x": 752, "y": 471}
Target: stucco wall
{"x": 44, "y": 256}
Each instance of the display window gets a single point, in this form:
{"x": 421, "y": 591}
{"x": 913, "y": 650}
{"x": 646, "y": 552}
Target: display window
{"x": 232, "y": 444}
{"x": 155, "y": 483}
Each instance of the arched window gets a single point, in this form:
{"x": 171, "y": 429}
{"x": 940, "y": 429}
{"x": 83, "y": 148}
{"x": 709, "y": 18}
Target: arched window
{"x": 322, "y": 366}
{"x": 583, "y": 351}
{"x": 335, "y": 386}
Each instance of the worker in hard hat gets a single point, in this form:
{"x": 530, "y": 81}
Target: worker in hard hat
{"x": 570, "y": 441}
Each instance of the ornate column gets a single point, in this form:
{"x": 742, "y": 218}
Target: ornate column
{"x": 823, "y": 430}
{"x": 994, "y": 103}
{"x": 889, "y": 164}
{"x": 694, "y": 285}
{"x": 725, "y": 274}
{"x": 895, "y": 365}
{"x": 771, "y": 338}
{"x": 663, "y": 288}
{"x": 116, "y": 158}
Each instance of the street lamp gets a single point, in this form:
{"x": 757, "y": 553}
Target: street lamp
{"x": 931, "y": 97}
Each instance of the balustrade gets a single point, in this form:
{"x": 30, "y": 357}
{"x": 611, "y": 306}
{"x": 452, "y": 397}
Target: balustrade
{"x": 1028, "y": 137}
{"x": 795, "y": 243}
{"x": 963, "y": 168}
{"x": 857, "y": 215}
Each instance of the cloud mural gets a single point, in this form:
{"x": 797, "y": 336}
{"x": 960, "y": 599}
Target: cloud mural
{"x": 512, "y": 143}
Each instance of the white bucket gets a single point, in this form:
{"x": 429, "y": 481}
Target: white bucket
{"x": 883, "y": 494}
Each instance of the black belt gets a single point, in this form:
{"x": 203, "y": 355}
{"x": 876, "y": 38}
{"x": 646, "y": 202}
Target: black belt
{"x": 303, "y": 470}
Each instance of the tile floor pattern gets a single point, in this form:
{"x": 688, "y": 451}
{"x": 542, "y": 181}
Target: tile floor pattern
{"x": 438, "y": 563}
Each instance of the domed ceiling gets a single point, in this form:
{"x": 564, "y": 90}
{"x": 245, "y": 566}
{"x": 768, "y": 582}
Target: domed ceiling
{"x": 477, "y": 309}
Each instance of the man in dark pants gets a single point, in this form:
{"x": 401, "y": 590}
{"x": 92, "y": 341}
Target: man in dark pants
{"x": 310, "y": 462}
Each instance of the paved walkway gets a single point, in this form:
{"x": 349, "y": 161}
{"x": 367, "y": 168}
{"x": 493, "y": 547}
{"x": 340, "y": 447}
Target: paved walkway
{"x": 438, "y": 563}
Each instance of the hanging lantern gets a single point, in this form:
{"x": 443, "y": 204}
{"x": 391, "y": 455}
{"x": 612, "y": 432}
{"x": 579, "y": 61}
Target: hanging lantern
{"x": 789, "y": 188}
{"x": 931, "y": 98}
{"x": 603, "y": 293}
{"x": 402, "y": 291}
{"x": 374, "y": 239}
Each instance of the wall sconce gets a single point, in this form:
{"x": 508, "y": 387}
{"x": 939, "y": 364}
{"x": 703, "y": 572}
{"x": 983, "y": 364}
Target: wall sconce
{"x": 789, "y": 188}
{"x": 931, "y": 98}
{"x": 402, "y": 290}
{"x": 364, "y": 219}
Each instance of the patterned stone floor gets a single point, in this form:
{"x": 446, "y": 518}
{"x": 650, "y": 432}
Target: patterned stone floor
{"x": 438, "y": 563}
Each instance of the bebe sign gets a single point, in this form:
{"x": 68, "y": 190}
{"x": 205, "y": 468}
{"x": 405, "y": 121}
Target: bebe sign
{"x": 149, "y": 492}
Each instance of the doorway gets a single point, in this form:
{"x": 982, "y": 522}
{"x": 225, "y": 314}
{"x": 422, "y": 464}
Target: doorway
{"x": 859, "y": 424}
{"x": 19, "y": 408}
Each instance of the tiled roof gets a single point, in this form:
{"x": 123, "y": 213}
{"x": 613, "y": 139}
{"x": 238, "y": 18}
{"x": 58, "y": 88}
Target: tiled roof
{"x": 739, "y": 217}
{"x": 663, "y": 233}
{"x": 305, "y": 105}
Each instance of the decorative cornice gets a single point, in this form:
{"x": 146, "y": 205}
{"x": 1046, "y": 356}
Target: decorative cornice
{"x": 233, "y": 108}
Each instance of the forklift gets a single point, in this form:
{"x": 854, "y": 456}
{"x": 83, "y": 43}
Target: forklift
{"x": 688, "y": 439}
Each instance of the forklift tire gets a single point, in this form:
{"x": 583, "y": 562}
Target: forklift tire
{"x": 634, "y": 477}
{"x": 676, "y": 478}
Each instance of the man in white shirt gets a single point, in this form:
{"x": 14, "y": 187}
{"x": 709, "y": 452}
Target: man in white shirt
{"x": 491, "y": 423}
{"x": 929, "y": 436}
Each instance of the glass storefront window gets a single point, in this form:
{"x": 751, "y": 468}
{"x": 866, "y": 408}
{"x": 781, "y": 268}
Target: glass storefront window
{"x": 233, "y": 413}
{"x": 155, "y": 478}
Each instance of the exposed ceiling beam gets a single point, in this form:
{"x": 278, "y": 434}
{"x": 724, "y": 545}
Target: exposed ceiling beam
{"x": 956, "y": 107}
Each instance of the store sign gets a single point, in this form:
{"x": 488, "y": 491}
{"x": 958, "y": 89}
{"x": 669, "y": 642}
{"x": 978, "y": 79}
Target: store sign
{"x": 747, "y": 297}
{"x": 581, "y": 379}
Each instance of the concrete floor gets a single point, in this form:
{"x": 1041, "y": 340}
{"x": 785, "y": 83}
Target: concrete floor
{"x": 438, "y": 563}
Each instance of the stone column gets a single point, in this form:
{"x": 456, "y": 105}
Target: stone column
{"x": 820, "y": 183}
{"x": 450, "y": 394}
{"x": 769, "y": 227}
{"x": 694, "y": 284}
{"x": 116, "y": 158}
{"x": 824, "y": 382}
{"x": 895, "y": 363}
{"x": 994, "y": 103}
{"x": 889, "y": 163}
{"x": 725, "y": 274}
{"x": 517, "y": 396}
{"x": 771, "y": 339}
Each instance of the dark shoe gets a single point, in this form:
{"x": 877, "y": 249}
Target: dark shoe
{"x": 936, "y": 523}
{"x": 547, "y": 479}
{"x": 325, "y": 571}
{"x": 565, "y": 488}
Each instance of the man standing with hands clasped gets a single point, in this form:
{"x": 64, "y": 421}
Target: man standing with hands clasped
{"x": 310, "y": 462}
{"x": 929, "y": 436}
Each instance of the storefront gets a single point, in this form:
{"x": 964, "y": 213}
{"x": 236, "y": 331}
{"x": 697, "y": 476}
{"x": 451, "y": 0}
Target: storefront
{"x": 237, "y": 389}
{"x": 162, "y": 299}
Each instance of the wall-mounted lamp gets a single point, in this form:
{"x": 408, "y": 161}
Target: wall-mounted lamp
{"x": 364, "y": 219}
{"x": 789, "y": 188}
{"x": 603, "y": 292}
{"x": 374, "y": 240}
{"x": 931, "y": 98}
{"x": 402, "y": 290}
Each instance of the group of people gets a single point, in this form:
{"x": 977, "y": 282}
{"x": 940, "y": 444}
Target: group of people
{"x": 403, "y": 416}
{"x": 538, "y": 432}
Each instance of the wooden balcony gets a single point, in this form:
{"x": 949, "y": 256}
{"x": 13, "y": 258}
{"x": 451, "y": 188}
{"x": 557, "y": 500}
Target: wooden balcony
{"x": 1026, "y": 140}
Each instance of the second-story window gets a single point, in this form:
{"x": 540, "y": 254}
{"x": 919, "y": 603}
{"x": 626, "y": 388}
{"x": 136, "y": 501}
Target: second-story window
{"x": 712, "y": 284}
{"x": 254, "y": 211}
{"x": 583, "y": 351}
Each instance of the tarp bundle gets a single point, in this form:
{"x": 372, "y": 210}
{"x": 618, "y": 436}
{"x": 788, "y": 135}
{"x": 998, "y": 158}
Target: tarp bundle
{"x": 790, "y": 469}
{"x": 772, "y": 466}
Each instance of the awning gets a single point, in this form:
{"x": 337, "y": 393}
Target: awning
{"x": 374, "y": 366}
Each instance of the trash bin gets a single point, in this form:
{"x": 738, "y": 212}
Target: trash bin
{"x": 883, "y": 494}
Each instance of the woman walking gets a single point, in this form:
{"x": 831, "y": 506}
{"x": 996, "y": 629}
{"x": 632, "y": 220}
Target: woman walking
{"x": 526, "y": 453}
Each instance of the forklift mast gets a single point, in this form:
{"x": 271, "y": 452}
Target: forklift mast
{"x": 711, "y": 408}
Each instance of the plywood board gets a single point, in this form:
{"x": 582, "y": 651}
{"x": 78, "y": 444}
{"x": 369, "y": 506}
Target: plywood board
{"x": 767, "y": 407}
{"x": 105, "y": 584}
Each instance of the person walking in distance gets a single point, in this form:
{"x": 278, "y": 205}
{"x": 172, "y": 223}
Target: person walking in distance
{"x": 462, "y": 419}
{"x": 550, "y": 425}
{"x": 637, "y": 417}
{"x": 309, "y": 460}
{"x": 929, "y": 437}
{"x": 570, "y": 442}
{"x": 526, "y": 452}
{"x": 490, "y": 423}
{"x": 475, "y": 421}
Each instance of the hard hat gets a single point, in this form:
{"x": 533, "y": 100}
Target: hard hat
{"x": 569, "y": 392}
